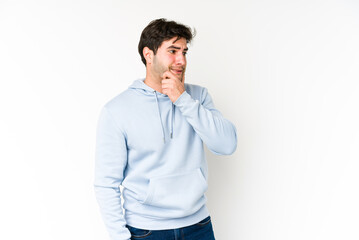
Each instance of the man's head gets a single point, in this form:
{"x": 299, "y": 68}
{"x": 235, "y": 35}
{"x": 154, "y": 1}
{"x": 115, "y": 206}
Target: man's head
{"x": 161, "y": 30}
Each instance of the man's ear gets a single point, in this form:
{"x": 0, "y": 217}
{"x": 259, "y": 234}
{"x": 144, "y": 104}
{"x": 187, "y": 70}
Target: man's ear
{"x": 148, "y": 54}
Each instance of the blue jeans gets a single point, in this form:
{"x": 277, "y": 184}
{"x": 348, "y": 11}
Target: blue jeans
{"x": 202, "y": 230}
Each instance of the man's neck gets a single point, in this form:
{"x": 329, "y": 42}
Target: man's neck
{"x": 154, "y": 83}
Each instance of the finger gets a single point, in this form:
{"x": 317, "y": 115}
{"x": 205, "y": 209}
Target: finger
{"x": 166, "y": 86}
{"x": 166, "y": 81}
{"x": 167, "y": 74}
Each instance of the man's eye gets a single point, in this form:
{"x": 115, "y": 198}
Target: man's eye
{"x": 172, "y": 51}
{"x": 185, "y": 53}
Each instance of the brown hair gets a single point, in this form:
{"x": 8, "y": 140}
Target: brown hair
{"x": 160, "y": 30}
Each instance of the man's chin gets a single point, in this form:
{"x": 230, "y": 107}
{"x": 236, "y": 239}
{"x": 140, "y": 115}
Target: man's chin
{"x": 180, "y": 76}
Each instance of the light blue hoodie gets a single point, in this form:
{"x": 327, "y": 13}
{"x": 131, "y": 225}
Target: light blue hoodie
{"x": 154, "y": 149}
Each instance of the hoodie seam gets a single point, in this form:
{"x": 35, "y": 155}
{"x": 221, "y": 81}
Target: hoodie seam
{"x": 114, "y": 122}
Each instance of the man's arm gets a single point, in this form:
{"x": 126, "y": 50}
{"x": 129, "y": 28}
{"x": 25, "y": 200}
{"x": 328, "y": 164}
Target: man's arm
{"x": 111, "y": 160}
{"x": 216, "y": 132}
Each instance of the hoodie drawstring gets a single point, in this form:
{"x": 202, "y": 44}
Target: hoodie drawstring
{"x": 172, "y": 115}
{"x": 159, "y": 114}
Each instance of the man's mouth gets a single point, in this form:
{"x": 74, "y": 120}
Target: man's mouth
{"x": 177, "y": 71}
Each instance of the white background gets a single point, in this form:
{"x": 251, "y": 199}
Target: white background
{"x": 284, "y": 72}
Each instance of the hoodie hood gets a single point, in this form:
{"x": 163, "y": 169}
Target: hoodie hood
{"x": 141, "y": 86}
{"x": 146, "y": 90}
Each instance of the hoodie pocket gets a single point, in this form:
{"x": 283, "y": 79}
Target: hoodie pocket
{"x": 180, "y": 194}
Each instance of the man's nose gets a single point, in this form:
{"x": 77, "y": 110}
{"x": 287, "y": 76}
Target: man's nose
{"x": 180, "y": 59}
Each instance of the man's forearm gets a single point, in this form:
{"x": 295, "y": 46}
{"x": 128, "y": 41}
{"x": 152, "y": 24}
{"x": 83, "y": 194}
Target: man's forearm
{"x": 216, "y": 132}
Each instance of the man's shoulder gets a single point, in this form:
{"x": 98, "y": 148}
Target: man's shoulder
{"x": 196, "y": 91}
{"x": 193, "y": 87}
{"x": 119, "y": 101}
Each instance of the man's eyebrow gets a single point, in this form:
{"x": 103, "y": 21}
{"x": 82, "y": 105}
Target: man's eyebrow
{"x": 178, "y": 48}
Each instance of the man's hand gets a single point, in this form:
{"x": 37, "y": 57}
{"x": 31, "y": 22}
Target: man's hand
{"x": 172, "y": 85}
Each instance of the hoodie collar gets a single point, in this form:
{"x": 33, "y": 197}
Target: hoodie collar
{"x": 139, "y": 84}
{"x": 147, "y": 90}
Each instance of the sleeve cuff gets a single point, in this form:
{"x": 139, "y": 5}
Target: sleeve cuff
{"x": 185, "y": 97}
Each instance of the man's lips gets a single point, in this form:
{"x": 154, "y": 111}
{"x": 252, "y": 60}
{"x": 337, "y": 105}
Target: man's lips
{"x": 177, "y": 71}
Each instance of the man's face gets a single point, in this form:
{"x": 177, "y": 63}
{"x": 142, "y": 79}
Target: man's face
{"x": 171, "y": 56}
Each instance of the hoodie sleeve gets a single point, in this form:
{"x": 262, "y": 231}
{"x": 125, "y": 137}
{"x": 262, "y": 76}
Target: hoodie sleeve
{"x": 111, "y": 160}
{"x": 216, "y": 132}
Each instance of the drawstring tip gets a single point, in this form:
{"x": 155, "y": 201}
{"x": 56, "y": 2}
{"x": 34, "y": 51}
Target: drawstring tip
{"x": 164, "y": 140}
{"x": 171, "y": 135}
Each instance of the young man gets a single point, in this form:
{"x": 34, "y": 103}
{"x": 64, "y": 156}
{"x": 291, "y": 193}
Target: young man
{"x": 150, "y": 140}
